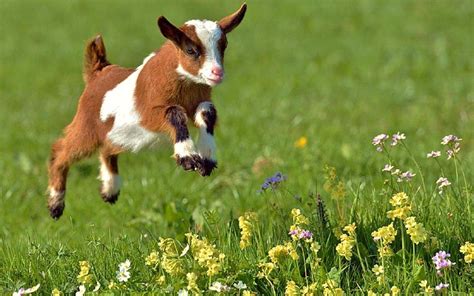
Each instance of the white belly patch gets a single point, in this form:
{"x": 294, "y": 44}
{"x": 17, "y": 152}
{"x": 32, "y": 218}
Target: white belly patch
{"x": 119, "y": 103}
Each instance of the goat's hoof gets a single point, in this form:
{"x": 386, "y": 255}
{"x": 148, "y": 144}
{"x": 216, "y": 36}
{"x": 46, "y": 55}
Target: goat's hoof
{"x": 189, "y": 163}
{"x": 56, "y": 210}
{"x": 206, "y": 167}
{"x": 110, "y": 198}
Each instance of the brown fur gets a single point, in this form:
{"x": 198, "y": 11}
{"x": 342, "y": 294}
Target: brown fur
{"x": 158, "y": 89}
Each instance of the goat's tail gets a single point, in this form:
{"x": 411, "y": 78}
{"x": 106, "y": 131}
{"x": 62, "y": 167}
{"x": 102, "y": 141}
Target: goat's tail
{"x": 94, "y": 57}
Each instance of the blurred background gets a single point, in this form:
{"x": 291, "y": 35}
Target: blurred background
{"x": 335, "y": 72}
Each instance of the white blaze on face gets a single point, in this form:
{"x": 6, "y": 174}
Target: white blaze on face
{"x": 209, "y": 33}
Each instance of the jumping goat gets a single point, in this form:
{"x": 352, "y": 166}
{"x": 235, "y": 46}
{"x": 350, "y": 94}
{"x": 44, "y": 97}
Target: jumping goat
{"x": 125, "y": 109}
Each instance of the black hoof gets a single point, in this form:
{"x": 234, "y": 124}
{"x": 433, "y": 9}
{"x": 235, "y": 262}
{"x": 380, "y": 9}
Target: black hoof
{"x": 56, "y": 210}
{"x": 207, "y": 166}
{"x": 190, "y": 163}
{"x": 110, "y": 198}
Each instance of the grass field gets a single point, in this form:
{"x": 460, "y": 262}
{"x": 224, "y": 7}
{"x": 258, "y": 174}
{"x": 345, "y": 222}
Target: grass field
{"x": 337, "y": 73}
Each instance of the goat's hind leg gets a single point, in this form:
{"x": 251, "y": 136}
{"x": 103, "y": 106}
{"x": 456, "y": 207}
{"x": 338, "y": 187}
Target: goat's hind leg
{"x": 111, "y": 182}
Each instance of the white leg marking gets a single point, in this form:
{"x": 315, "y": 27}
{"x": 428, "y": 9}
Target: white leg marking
{"x": 55, "y": 196}
{"x": 110, "y": 182}
{"x": 206, "y": 144}
{"x": 184, "y": 148}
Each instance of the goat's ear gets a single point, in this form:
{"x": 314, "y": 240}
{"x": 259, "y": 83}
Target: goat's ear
{"x": 171, "y": 32}
{"x": 229, "y": 22}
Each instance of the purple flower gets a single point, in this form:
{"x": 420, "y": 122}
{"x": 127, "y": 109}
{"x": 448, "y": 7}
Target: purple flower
{"x": 450, "y": 139}
{"x": 442, "y": 182}
{"x": 406, "y": 176}
{"x": 397, "y": 138}
{"x": 441, "y": 286}
{"x": 379, "y": 140}
{"x": 433, "y": 154}
{"x": 294, "y": 232}
{"x": 273, "y": 181}
{"x": 306, "y": 234}
{"x": 441, "y": 261}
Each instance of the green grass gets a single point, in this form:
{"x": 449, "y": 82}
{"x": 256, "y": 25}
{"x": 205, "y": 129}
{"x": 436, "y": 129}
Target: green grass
{"x": 336, "y": 72}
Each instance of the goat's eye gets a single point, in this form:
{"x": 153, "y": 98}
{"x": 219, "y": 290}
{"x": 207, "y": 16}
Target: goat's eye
{"x": 192, "y": 52}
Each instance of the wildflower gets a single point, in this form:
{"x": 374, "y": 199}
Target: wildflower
{"x": 168, "y": 246}
{"x": 397, "y": 138}
{"x": 385, "y": 251}
{"x": 386, "y": 234}
{"x": 468, "y": 250}
{"x": 405, "y": 176}
{"x": 161, "y": 280}
{"x": 240, "y": 285}
{"x": 331, "y": 288}
{"x": 56, "y": 292}
{"x": 97, "y": 287}
{"x": 309, "y": 290}
{"x": 441, "y": 287}
{"x": 442, "y": 182}
{"x": 81, "y": 291}
{"x": 192, "y": 285}
{"x": 123, "y": 274}
{"x": 84, "y": 277}
{"x": 112, "y": 285}
{"x": 378, "y": 141}
{"x": 315, "y": 247}
{"x": 378, "y": 270}
{"x": 152, "y": 259}
{"x": 344, "y": 248}
{"x": 395, "y": 290}
{"x": 306, "y": 235}
{"x": 441, "y": 261}
{"x": 291, "y": 289}
{"x": 205, "y": 254}
{"x": 248, "y": 293}
{"x": 332, "y": 185}
{"x": 396, "y": 172}
{"x": 453, "y": 151}
{"x": 219, "y": 287}
{"x": 299, "y": 218}
{"x": 279, "y": 252}
{"x": 425, "y": 287}
{"x": 265, "y": 269}
{"x": 450, "y": 139}
{"x": 171, "y": 265}
{"x": 402, "y": 206}
{"x": 388, "y": 168}
{"x": 246, "y": 225}
{"x": 433, "y": 154}
{"x": 417, "y": 232}
{"x": 26, "y": 291}
{"x": 273, "y": 181}
{"x": 183, "y": 292}
{"x": 301, "y": 142}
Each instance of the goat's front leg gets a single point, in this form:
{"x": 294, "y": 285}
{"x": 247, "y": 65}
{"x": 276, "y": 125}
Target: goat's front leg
{"x": 205, "y": 119}
{"x": 184, "y": 149}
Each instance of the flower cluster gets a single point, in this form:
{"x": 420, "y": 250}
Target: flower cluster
{"x": 296, "y": 230}
{"x": 278, "y": 253}
{"x": 123, "y": 274}
{"x": 152, "y": 259}
{"x": 265, "y": 269}
{"x": 425, "y": 288}
{"x": 273, "y": 181}
{"x": 379, "y": 273}
{"x": 205, "y": 254}
{"x": 441, "y": 183}
{"x": 441, "y": 286}
{"x": 247, "y": 225}
{"x": 385, "y": 236}
{"x": 433, "y": 154}
{"x": 301, "y": 142}
{"x": 453, "y": 145}
{"x": 402, "y": 206}
{"x": 348, "y": 241}
{"x": 468, "y": 250}
{"x": 396, "y": 138}
{"x": 441, "y": 261}
{"x": 84, "y": 277}
{"x": 331, "y": 288}
{"x": 192, "y": 283}
{"x": 417, "y": 232}
{"x": 378, "y": 141}
{"x": 170, "y": 261}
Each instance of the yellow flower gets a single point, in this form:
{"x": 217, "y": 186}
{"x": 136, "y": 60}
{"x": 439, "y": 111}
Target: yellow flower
{"x": 291, "y": 289}
{"x": 315, "y": 247}
{"x": 348, "y": 241}
{"x": 331, "y": 289}
{"x": 192, "y": 285}
{"x": 301, "y": 142}
{"x": 399, "y": 199}
{"x": 386, "y": 234}
{"x": 56, "y": 292}
{"x": 310, "y": 290}
{"x": 395, "y": 291}
{"x": 84, "y": 277}
{"x": 152, "y": 259}
{"x": 385, "y": 251}
{"x": 161, "y": 280}
{"x": 417, "y": 232}
{"x": 426, "y": 288}
{"x": 299, "y": 218}
{"x": 350, "y": 229}
{"x": 378, "y": 270}
{"x": 400, "y": 213}
{"x": 248, "y": 293}
{"x": 402, "y": 206}
{"x": 468, "y": 250}
{"x": 246, "y": 225}
{"x": 278, "y": 253}
{"x": 168, "y": 246}
{"x": 265, "y": 269}
{"x": 112, "y": 285}
{"x": 205, "y": 254}
{"x": 171, "y": 265}
{"x": 371, "y": 293}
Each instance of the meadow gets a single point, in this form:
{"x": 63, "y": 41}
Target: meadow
{"x": 309, "y": 85}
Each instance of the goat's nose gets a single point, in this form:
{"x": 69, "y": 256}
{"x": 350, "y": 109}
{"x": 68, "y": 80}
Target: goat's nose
{"x": 217, "y": 71}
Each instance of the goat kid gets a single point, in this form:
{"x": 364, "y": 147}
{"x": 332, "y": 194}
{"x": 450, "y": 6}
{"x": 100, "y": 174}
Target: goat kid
{"x": 124, "y": 109}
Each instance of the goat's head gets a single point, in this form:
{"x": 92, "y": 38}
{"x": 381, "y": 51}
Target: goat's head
{"x": 201, "y": 45}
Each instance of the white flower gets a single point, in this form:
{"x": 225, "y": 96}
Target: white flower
{"x": 433, "y": 154}
{"x": 219, "y": 287}
{"x": 183, "y": 292}
{"x": 450, "y": 139}
{"x": 82, "y": 290}
{"x": 396, "y": 138}
{"x": 441, "y": 286}
{"x": 406, "y": 176}
{"x": 387, "y": 168}
{"x": 240, "y": 285}
{"x": 27, "y": 291}
{"x": 97, "y": 287}
{"x": 442, "y": 182}
{"x": 396, "y": 172}
{"x": 123, "y": 273}
{"x": 378, "y": 141}
{"x": 185, "y": 251}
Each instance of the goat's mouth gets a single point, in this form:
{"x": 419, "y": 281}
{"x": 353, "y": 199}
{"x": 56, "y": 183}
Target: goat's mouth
{"x": 215, "y": 80}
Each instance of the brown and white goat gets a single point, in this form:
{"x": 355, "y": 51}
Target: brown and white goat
{"x": 124, "y": 109}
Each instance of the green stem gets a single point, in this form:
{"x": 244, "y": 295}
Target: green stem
{"x": 417, "y": 167}
{"x": 403, "y": 247}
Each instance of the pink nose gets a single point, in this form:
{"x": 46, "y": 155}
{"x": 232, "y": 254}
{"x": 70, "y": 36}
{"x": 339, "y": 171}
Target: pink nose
{"x": 217, "y": 71}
